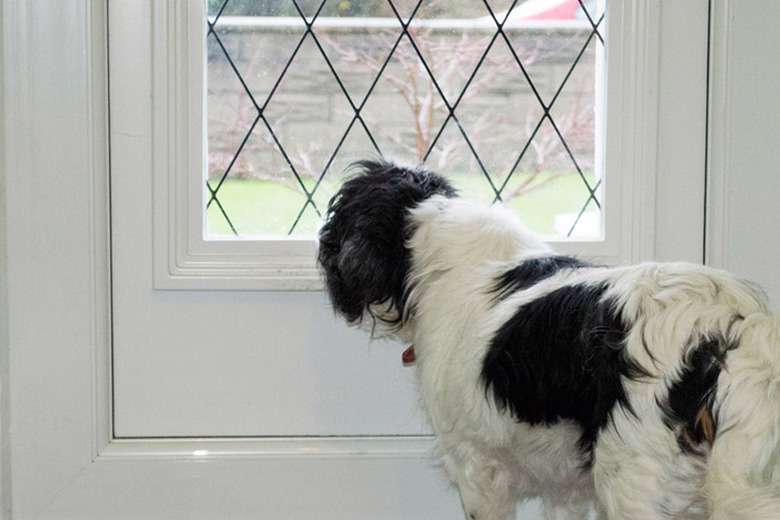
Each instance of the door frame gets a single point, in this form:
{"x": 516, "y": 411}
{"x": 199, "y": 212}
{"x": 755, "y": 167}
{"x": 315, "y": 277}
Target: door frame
{"x": 57, "y": 445}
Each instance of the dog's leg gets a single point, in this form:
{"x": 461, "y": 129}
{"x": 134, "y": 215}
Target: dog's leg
{"x": 570, "y": 500}
{"x": 736, "y": 488}
{"x": 486, "y": 494}
{"x": 741, "y": 478}
{"x": 639, "y": 471}
{"x": 638, "y": 490}
{"x": 599, "y": 513}
{"x": 485, "y": 485}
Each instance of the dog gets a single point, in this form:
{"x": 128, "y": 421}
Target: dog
{"x": 642, "y": 392}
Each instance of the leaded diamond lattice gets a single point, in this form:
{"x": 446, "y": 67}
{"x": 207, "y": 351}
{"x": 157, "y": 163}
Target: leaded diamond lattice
{"x": 500, "y": 95}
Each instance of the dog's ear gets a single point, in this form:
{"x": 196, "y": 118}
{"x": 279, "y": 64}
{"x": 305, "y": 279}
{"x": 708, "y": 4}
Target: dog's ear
{"x": 362, "y": 244}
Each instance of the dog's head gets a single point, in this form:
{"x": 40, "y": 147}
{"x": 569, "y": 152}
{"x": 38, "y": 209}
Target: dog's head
{"x": 362, "y": 244}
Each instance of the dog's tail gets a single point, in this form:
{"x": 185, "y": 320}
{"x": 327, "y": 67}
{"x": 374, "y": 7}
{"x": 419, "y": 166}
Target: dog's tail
{"x": 745, "y": 455}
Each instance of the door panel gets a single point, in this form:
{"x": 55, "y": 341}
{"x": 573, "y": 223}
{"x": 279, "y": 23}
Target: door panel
{"x": 239, "y": 363}
{"x": 65, "y": 460}
{"x": 365, "y": 489}
{"x": 258, "y": 364}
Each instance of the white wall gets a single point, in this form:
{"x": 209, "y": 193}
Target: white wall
{"x": 744, "y": 147}
{"x": 5, "y": 484}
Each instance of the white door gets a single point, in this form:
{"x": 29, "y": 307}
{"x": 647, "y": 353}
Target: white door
{"x": 131, "y": 402}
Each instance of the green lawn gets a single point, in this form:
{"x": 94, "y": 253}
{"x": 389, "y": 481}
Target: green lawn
{"x": 258, "y": 207}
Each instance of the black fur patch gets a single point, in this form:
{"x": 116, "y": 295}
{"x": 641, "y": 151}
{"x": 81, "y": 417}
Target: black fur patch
{"x": 362, "y": 248}
{"x": 561, "y": 356}
{"x": 689, "y": 406}
{"x": 532, "y": 271}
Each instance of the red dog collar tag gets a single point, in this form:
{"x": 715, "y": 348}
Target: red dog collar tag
{"x": 408, "y": 358}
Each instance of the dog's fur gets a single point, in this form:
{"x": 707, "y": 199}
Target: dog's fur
{"x": 649, "y": 392}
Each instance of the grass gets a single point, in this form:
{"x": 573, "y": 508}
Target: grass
{"x": 265, "y": 208}
{"x": 259, "y": 208}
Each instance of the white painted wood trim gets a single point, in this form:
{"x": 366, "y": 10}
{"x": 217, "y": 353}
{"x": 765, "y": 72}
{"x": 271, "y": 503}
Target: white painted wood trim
{"x": 183, "y": 259}
{"x": 656, "y": 128}
{"x": 743, "y": 235}
{"x": 57, "y": 218}
{"x": 98, "y": 196}
{"x": 5, "y": 419}
{"x": 719, "y": 138}
{"x": 409, "y": 447}
{"x": 632, "y": 121}
{"x": 682, "y": 132}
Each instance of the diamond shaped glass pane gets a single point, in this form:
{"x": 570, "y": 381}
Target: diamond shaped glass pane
{"x": 500, "y": 95}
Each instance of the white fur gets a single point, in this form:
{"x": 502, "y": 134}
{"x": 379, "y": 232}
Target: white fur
{"x": 638, "y": 471}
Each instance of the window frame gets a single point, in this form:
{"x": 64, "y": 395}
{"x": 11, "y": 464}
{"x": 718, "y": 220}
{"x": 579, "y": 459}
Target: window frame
{"x": 184, "y": 259}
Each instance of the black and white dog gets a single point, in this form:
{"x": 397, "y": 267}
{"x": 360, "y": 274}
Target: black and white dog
{"x": 650, "y": 391}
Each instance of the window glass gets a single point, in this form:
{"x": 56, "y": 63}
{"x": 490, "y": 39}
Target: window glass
{"x": 501, "y": 97}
